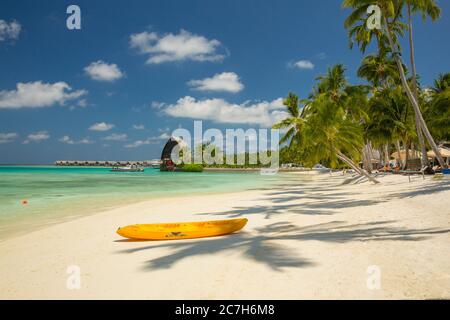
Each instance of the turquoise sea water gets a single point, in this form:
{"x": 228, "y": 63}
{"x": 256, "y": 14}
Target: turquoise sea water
{"x": 55, "y": 194}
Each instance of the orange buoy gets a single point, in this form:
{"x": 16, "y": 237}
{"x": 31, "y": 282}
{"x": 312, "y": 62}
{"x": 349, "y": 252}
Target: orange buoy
{"x": 24, "y": 202}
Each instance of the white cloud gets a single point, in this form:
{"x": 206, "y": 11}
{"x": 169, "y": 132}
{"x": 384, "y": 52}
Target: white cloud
{"x": 157, "y": 105}
{"x": 116, "y": 137}
{"x": 82, "y": 103}
{"x": 140, "y": 143}
{"x": 101, "y": 126}
{"x": 303, "y": 64}
{"x": 69, "y": 140}
{"x": 8, "y": 137}
{"x": 218, "y": 110}
{"x": 164, "y": 136}
{"x": 138, "y": 127}
{"x": 175, "y": 47}
{"x": 102, "y": 71}
{"x": 226, "y": 81}
{"x": 38, "y": 95}
{"x": 37, "y": 137}
{"x": 9, "y": 30}
{"x": 86, "y": 141}
{"x": 151, "y": 140}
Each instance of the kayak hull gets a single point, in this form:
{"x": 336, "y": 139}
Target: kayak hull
{"x": 181, "y": 230}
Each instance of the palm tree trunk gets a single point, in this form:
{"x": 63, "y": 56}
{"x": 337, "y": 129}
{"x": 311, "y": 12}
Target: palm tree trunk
{"x": 352, "y": 165}
{"x": 387, "y": 156}
{"x": 370, "y": 153}
{"x": 423, "y": 148}
{"x": 381, "y": 153}
{"x": 410, "y": 95}
{"x": 405, "y": 166}
{"x": 399, "y": 155}
{"x": 365, "y": 158}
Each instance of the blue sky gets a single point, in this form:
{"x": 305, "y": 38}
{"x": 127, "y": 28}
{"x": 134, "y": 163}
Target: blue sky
{"x": 139, "y": 69}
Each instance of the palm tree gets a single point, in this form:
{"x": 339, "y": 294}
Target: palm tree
{"x": 324, "y": 129}
{"x": 379, "y": 70}
{"x": 351, "y": 101}
{"x": 391, "y": 12}
{"x": 428, "y": 8}
{"x": 293, "y": 123}
{"x": 438, "y": 107}
{"x": 290, "y": 155}
{"x": 391, "y": 118}
{"x": 362, "y": 36}
{"x": 380, "y": 132}
{"x": 441, "y": 84}
{"x": 332, "y": 135}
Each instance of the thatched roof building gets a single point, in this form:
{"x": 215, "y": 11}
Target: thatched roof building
{"x": 166, "y": 155}
{"x": 170, "y": 145}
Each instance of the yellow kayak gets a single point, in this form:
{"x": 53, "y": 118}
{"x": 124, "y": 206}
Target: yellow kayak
{"x": 181, "y": 230}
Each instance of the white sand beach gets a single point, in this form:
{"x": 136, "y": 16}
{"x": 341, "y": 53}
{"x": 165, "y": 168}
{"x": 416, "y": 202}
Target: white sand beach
{"x": 312, "y": 240}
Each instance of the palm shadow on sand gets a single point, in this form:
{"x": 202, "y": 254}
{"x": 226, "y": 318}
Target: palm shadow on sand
{"x": 264, "y": 245}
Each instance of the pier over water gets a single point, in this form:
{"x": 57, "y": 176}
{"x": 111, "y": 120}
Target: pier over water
{"x": 85, "y": 163}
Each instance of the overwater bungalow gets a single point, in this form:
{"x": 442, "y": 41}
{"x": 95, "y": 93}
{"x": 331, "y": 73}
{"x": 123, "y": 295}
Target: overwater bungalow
{"x": 107, "y": 163}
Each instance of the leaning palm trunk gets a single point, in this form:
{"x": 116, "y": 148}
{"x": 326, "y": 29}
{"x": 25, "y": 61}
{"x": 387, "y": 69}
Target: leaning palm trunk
{"x": 410, "y": 95}
{"x": 423, "y": 149}
{"x": 352, "y": 165}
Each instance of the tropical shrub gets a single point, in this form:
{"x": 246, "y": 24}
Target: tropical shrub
{"x": 192, "y": 168}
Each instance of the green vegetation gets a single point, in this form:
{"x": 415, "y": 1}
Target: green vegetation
{"x": 342, "y": 124}
{"x": 218, "y": 159}
{"x": 394, "y": 25}
{"x": 191, "y": 167}
{"x": 437, "y": 108}
{"x": 328, "y": 127}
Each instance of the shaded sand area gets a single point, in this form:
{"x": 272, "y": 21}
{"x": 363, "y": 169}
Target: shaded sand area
{"x": 305, "y": 239}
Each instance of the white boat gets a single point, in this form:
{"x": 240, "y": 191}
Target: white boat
{"x": 321, "y": 168}
{"x": 155, "y": 163}
{"x": 132, "y": 168}
{"x": 269, "y": 171}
